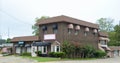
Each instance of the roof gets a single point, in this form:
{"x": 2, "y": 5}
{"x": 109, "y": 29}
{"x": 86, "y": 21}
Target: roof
{"x": 114, "y": 47}
{"x": 25, "y": 38}
{"x": 105, "y": 34}
{"x": 63, "y": 18}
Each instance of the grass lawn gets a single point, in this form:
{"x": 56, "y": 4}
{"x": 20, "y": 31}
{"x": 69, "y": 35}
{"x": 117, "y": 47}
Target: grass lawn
{"x": 42, "y": 59}
{"x": 47, "y": 59}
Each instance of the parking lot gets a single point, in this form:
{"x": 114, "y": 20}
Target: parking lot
{"x": 17, "y": 59}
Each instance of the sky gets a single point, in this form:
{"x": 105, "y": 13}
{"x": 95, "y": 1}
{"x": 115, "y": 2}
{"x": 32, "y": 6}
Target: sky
{"x": 18, "y": 16}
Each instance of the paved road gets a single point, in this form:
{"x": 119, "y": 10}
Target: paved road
{"x": 14, "y": 59}
{"x": 108, "y": 60}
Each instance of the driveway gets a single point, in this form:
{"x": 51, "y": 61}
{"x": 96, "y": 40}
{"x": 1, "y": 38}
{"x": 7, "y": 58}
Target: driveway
{"x": 108, "y": 60}
{"x": 15, "y": 59}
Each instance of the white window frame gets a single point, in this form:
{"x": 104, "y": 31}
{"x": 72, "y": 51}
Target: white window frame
{"x": 54, "y": 48}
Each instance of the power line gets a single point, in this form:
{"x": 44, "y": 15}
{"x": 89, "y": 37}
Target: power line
{"x": 16, "y": 19}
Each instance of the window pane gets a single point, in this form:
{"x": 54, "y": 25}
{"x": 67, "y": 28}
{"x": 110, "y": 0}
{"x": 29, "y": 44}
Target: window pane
{"x": 58, "y": 48}
{"x": 44, "y": 49}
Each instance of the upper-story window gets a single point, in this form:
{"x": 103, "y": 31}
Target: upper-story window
{"x": 69, "y": 31}
{"x": 44, "y": 28}
{"x": 86, "y": 31}
{"x": 77, "y": 28}
{"x": 103, "y": 42}
{"x": 70, "y": 27}
{"x": 55, "y": 28}
{"x": 95, "y": 32}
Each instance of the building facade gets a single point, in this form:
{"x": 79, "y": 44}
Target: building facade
{"x": 56, "y": 30}
{"x": 115, "y": 51}
{"x": 23, "y": 44}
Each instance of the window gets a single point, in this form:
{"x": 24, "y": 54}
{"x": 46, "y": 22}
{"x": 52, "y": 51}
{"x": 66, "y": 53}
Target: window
{"x": 76, "y": 32}
{"x": 85, "y": 33}
{"x": 103, "y": 42}
{"x": 55, "y": 48}
{"x": 55, "y": 28}
{"x": 44, "y": 49}
{"x": 58, "y": 49}
{"x": 95, "y": 34}
{"x": 40, "y": 48}
{"x": 44, "y": 28}
{"x": 69, "y": 31}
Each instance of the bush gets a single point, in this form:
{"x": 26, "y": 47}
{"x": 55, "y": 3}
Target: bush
{"x": 99, "y": 53}
{"x": 51, "y": 54}
{"x": 57, "y": 54}
{"x": 26, "y": 54}
{"x": 38, "y": 53}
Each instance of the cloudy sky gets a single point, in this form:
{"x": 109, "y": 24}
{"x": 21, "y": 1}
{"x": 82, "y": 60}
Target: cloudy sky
{"x": 17, "y": 16}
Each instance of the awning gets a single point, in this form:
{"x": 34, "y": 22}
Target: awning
{"x": 106, "y": 48}
{"x": 28, "y": 45}
{"x": 41, "y": 43}
{"x": 103, "y": 38}
{"x": 87, "y": 29}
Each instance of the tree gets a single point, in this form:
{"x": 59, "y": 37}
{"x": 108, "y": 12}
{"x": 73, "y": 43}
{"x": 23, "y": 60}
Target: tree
{"x": 36, "y": 28}
{"x": 8, "y": 40}
{"x": 105, "y": 24}
{"x": 115, "y": 36}
{"x": 112, "y": 38}
{"x": 117, "y": 30}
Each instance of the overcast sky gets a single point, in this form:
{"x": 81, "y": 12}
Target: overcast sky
{"x": 17, "y": 16}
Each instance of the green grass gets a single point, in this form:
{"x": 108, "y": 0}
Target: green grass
{"x": 42, "y": 59}
{"x": 47, "y": 59}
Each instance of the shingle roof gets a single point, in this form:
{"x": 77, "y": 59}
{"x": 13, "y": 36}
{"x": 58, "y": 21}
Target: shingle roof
{"x": 63, "y": 18}
{"x": 105, "y": 34}
{"x": 25, "y": 38}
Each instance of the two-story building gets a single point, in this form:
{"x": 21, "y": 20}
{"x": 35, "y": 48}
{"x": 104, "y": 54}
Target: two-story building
{"x": 56, "y": 30}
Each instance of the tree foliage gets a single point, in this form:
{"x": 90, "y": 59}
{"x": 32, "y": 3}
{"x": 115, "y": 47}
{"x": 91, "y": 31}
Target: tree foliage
{"x": 115, "y": 36}
{"x": 8, "y": 40}
{"x": 36, "y": 28}
{"x": 105, "y": 24}
{"x": 73, "y": 51}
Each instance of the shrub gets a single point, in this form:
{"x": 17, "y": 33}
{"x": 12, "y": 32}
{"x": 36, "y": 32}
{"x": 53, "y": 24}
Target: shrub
{"x": 38, "y": 53}
{"x": 26, "y": 54}
{"x": 57, "y": 54}
{"x": 99, "y": 53}
{"x": 51, "y": 54}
